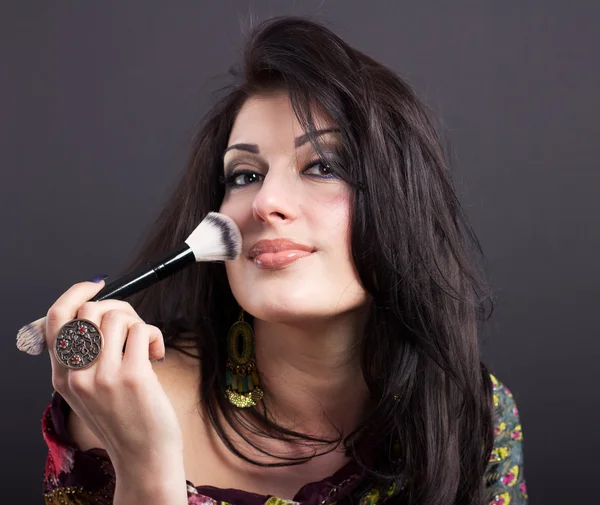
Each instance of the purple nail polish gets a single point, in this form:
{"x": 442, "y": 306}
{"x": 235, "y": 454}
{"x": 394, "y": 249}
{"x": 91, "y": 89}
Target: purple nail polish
{"x": 99, "y": 278}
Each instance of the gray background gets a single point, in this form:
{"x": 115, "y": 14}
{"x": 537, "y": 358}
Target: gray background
{"x": 98, "y": 101}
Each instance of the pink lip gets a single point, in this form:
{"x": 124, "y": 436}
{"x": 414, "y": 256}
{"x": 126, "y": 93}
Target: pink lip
{"x": 278, "y": 253}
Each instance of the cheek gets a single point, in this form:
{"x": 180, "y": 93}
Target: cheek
{"x": 239, "y": 208}
{"x": 336, "y": 225}
{"x": 332, "y": 215}
{"x": 230, "y": 207}
{"x": 239, "y": 279}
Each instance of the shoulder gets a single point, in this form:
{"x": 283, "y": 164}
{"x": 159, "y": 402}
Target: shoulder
{"x": 505, "y": 406}
{"x": 504, "y": 474}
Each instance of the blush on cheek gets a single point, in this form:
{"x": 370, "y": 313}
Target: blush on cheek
{"x": 335, "y": 210}
{"x": 236, "y": 279}
{"x": 236, "y": 208}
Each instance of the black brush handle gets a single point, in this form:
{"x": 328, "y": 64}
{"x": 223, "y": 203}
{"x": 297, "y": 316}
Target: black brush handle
{"x": 148, "y": 274}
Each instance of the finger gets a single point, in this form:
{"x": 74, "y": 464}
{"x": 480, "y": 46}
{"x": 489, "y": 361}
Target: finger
{"x": 66, "y": 306}
{"x": 93, "y": 310}
{"x": 62, "y": 311}
{"x": 156, "y": 346}
{"x": 143, "y": 341}
{"x": 81, "y": 381}
{"x": 114, "y": 326}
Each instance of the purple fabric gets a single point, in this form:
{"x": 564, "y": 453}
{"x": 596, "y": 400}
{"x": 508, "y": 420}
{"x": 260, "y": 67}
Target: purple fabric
{"x": 93, "y": 470}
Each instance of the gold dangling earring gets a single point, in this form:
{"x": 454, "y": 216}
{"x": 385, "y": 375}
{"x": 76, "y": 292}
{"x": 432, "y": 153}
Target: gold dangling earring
{"x": 241, "y": 375}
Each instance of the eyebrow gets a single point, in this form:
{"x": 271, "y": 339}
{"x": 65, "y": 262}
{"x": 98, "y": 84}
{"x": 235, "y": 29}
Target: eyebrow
{"x": 298, "y": 141}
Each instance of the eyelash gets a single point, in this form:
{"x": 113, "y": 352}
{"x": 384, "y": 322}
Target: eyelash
{"x": 230, "y": 179}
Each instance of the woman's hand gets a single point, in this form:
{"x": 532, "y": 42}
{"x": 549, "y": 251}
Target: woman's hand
{"x": 119, "y": 396}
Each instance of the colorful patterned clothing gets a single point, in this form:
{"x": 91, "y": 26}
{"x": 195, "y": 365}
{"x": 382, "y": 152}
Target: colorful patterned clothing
{"x": 76, "y": 477}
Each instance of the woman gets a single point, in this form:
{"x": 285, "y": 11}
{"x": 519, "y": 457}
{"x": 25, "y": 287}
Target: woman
{"x": 356, "y": 295}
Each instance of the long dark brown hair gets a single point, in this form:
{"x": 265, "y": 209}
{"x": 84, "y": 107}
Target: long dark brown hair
{"x": 412, "y": 246}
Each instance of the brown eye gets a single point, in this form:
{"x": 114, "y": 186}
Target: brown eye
{"x": 319, "y": 168}
{"x": 241, "y": 179}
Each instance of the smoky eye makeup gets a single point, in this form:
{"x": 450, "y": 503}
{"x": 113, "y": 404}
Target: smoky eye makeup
{"x": 235, "y": 163}
{"x": 242, "y": 170}
{"x": 245, "y": 167}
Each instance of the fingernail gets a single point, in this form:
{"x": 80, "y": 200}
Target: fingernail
{"x": 99, "y": 278}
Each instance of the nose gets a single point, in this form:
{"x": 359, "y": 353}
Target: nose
{"x": 276, "y": 199}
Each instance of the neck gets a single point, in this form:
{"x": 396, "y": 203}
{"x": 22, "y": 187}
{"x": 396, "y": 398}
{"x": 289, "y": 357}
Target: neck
{"x": 312, "y": 375}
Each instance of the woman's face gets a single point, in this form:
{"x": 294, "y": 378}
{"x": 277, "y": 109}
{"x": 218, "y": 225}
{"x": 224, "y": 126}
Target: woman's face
{"x": 294, "y": 215}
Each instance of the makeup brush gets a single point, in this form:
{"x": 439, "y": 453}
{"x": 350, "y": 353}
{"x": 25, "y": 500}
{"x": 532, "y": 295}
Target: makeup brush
{"x": 216, "y": 238}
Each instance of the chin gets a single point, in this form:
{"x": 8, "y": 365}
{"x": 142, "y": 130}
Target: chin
{"x": 294, "y": 296}
{"x": 298, "y": 310}
{"x": 286, "y": 311}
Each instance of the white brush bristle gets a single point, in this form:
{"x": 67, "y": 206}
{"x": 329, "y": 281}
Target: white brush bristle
{"x": 31, "y": 338}
{"x": 216, "y": 238}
